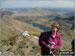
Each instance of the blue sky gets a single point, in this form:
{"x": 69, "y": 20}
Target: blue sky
{"x": 34, "y": 3}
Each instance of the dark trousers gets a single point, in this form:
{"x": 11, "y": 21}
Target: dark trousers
{"x": 44, "y": 53}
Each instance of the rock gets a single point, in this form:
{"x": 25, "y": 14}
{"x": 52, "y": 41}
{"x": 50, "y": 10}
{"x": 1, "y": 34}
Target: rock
{"x": 0, "y": 53}
{"x": 38, "y": 54}
{"x": 18, "y": 40}
{"x": 7, "y": 53}
{"x": 15, "y": 47}
{"x": 12, "y": 29}
{"x": 36, "y": 37}
{"x": 5, "y": 48}
{"x": 25, "y": 33}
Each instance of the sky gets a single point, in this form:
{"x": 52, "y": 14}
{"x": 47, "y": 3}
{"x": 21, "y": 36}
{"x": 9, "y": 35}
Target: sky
{"x": 36, "y": 3}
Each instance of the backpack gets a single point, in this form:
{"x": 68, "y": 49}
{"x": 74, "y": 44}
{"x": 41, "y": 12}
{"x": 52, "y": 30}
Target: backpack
{"x": 47, "y": 38}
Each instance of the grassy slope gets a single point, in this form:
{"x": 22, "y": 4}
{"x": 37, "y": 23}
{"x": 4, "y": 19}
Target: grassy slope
{"x": 11, "y": 39}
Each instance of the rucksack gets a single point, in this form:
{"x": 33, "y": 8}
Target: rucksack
{"x": 47, "y": 38}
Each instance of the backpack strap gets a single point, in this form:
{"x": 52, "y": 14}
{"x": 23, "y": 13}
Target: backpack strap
{"x": 57, "y": 39}
{"x": 48, "y": 36}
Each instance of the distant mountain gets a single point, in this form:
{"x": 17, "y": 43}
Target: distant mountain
{"x": 69, "y": 13}
{"x": 71, "y": 18}
{"x": 34, "y": 12}
{"x": 8, "y": 12}
{"x": 39, "y": 12}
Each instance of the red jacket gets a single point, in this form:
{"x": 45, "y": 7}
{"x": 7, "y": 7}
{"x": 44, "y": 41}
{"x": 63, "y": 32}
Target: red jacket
{"x": 51, "y": 39}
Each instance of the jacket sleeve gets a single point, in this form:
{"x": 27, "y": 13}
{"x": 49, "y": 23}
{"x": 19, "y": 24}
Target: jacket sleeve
{"x": 57, "y": 46}
{"x": 42, "y": 39}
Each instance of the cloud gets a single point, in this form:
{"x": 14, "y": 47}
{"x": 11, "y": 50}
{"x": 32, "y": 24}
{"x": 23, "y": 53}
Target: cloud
{"x": 62, "y": 4}
{"x": 37, "y": 3}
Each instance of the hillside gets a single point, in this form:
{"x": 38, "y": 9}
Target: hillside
{"x": 66, "y": 30}
{"x": 11, "y": 40}
{"x": 13, "y": 23}
{"x": 38, "y": 12}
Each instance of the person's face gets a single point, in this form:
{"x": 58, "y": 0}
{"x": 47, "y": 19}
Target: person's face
{"x": 54, "y": 29}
